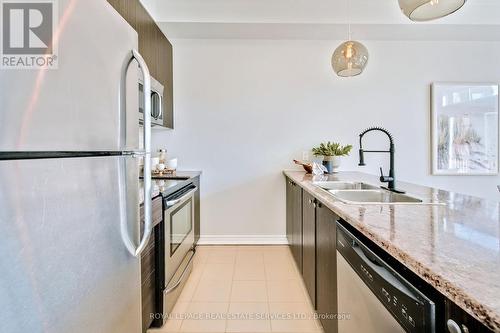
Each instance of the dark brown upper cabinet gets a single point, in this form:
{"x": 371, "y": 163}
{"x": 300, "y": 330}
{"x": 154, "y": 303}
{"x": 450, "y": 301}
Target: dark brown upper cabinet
{"x": 155, "y": 49}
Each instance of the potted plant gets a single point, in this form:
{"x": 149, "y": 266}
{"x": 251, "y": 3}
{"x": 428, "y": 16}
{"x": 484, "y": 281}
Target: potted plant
{"x": 332, "y": 153}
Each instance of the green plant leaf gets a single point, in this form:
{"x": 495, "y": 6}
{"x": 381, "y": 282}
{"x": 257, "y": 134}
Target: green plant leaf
{"x": 331, "y": 149}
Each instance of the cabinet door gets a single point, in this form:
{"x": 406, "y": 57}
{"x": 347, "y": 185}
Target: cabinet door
{"x": 165, "y": 68}
{"x": 289, "y": 217}
{"x": 127, "y": 10}
{"x": 294, "y": 220}
{"x": 149, "y": 262}
{"x": 297, "y": 224}
{"x": 326, "y": 267}
{"x": 309, "y": 244}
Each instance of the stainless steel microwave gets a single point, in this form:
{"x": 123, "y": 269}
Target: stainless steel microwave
{"x": 156, "y": 102}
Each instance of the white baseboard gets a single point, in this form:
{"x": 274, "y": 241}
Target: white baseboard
{"x": 243, "y": 240}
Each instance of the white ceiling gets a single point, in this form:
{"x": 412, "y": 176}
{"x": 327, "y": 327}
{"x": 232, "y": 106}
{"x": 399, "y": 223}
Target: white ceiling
{"x": 318, "y": 19}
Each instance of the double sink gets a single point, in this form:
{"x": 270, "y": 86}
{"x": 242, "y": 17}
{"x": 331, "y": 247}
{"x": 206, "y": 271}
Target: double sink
{"x": 358, "y": 193}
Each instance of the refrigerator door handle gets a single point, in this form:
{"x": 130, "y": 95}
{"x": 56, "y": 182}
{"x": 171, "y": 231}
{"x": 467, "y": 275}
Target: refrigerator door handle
{"x": 148, "y": 220}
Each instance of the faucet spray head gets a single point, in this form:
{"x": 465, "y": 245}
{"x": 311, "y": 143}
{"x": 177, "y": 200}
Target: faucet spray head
{"x": 361, "y": 158}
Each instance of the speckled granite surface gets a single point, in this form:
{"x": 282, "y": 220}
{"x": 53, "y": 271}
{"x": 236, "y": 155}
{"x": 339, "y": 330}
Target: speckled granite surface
{"x": 454, "y": 247}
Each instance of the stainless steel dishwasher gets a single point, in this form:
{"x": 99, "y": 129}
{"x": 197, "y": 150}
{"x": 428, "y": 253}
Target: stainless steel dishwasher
{"x": 373, "y": 297}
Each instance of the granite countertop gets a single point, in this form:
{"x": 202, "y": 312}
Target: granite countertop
{"x": 454, "y": 247}
{"x": 165, "y": 183}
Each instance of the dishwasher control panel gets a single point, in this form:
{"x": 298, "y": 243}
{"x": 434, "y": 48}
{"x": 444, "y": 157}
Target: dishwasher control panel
{"x": 412, "y": 309}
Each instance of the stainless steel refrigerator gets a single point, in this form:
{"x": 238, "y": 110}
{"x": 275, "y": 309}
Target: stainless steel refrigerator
{"x": 69, "y": 180}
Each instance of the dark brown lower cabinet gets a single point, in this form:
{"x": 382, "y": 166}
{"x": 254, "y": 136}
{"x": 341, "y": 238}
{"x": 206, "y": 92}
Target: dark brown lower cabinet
{"x": 294, "y": 220}
{"x": 326, "y": 267}
{"x": 309, "y": 244}
{"x": 148, "y": 267}
{"x": 312, "y": 234}
{"x": 289, "y": 222}
{"x": 196, "y": 181}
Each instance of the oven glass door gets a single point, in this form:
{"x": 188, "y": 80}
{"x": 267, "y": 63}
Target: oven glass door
{"x": 180, "y": 224}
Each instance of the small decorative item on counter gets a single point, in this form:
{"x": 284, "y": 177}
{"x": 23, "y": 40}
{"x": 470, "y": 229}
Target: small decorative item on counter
{"x": 307, "y": 166}
{"x": 171, "y": 165}
{"x": 162, "y": 155}
{"x": 332, "y": 152}
{"x": 165, "y": 169}
{"x": 318, "y": 169}
{"x": 154, "y": 162}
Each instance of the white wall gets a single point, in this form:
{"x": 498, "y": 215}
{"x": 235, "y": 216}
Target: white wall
{"x": 245, "y": 108}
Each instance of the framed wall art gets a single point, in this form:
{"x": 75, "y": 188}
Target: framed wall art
{"x": 465, "y": 126}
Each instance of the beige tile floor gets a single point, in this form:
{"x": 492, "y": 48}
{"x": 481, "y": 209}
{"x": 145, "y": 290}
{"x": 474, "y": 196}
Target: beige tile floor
{"x": 243, "y": 289}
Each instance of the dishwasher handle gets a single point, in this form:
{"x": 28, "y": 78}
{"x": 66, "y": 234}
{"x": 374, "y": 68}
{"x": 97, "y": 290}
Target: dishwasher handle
{"x": 413, "y": 310}
{"x": 382, "y": 271}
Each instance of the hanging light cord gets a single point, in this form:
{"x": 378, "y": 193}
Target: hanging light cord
{"x": 349, "y": 36}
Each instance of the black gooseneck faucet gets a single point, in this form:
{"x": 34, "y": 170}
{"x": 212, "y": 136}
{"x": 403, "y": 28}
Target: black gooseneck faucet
{"x": 391, "y": 179}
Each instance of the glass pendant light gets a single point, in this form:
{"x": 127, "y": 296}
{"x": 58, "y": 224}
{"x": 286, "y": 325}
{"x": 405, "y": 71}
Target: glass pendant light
{"x": 351, "y": 57}
{"x": 426, "y": 10}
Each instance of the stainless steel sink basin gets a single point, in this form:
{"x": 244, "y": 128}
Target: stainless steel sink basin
{"x": 359, "y": 193}
{"x": 375, "y": 196}
{"x": 339, "y": 185}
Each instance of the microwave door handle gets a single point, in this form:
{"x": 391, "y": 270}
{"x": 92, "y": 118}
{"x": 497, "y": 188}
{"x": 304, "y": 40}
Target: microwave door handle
{"x": 156, "y": 107}
{"x": 160, "y": 106}
{"x": 148, "y": 220}
{"x": 171, "y": 203}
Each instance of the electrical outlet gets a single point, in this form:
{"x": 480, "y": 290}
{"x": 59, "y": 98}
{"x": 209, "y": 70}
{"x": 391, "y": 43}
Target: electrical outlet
{"x": 305, "y": 155}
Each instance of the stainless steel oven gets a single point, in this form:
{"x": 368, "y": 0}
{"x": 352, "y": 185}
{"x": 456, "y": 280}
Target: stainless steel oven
{"x": 178, "y": 249}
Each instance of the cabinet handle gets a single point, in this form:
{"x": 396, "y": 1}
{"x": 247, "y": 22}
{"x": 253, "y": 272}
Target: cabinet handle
{"x": 453, "y": 326}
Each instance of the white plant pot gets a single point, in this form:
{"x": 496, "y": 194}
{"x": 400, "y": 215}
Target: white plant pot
{"x": 334, "y": 161}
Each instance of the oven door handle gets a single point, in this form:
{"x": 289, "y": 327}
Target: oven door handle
{"x": 183, "y": 275}
{"x": 171, "y": 203}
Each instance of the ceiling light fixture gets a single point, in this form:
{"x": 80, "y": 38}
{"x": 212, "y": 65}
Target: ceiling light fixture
{"x": 426, "y": 10}
{"x": 351, "y": 57}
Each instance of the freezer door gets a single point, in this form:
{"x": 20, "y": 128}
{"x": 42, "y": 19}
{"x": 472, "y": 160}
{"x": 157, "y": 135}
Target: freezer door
{"x": 76, "y": 106}
{"x": 64, "y": 266}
